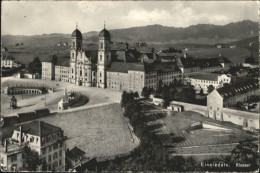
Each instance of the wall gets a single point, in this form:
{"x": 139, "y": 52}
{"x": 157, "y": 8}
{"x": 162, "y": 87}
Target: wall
{"x": 230, "y": 115}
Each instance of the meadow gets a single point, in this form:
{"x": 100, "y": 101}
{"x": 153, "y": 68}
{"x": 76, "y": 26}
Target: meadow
{"x": 100, "y": 132}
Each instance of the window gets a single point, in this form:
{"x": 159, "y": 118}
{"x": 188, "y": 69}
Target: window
{"x": 31, "y": 139}
{"x": 101, "y": 45}
{"x": 44, "y": 151}
{"x": 100, "y": 74}
{"x": 49, "y": 167}
{"x": 55, "y": 146}
{"x": 55, "y": 155}
{"x": 60, "y": 153}
{"x": 80, "y": 72}
{"x": 60, "y": 163}
{"x": 100, "y": 57}
{"x": 55, "y": 164}
{"x": 72, "y": 55}
{"x": 50, "y": 148}
{"x": 74, "y": 44}
{"x": 13, "y": 158}
{"x": 49, "y": 158}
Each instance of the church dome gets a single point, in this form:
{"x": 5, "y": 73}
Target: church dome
{"x": 76, "y": 33}
{"x": 104, "y": 33}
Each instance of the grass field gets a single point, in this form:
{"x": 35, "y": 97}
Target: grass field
{"x": 99, "y": 131}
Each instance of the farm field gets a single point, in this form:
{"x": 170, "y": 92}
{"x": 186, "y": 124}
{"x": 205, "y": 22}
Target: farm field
{"x": 234, "y": 55}
{"x": 100, "y": 132}
{"x": 27, "y": 103}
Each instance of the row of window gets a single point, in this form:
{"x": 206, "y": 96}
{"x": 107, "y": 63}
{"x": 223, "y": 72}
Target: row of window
{"x": 52, "y": 147}
{"x": 54, "y": 165}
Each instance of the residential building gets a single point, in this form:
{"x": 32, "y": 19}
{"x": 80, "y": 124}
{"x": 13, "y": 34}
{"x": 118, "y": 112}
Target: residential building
{"x": 44, "y": 138}
{"x": 204, "y": 80}
{"x": 223, "y": 97}
{"x": 8, "y": 61}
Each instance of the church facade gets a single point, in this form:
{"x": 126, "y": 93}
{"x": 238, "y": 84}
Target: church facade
{"x": 82, "y": 71}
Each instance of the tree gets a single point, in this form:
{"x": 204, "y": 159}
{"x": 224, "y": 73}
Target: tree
{"x": 136, "y": 95}
{"x": 32, "y": 159}
{"x": 201, "y": 92}
{"x": 246, "y": 152}
{"x": 35, "y": 66}
{"x": 145, "y": 92}
{"x": 210, "y": 88}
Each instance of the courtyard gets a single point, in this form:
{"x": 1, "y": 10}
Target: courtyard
{"x": 27, "y": 103}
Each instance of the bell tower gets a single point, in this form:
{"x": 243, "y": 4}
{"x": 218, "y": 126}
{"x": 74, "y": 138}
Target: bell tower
{"x": 104, "y": 58}
{"x": 76, "y": 46}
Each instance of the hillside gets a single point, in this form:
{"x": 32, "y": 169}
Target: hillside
{"x": 201, "y": 33}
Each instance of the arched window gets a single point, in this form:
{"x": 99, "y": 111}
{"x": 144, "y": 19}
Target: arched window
{"x": 80, "y": 72}
{"x": 100, "y": 57}
{"x": 72, "y": 55}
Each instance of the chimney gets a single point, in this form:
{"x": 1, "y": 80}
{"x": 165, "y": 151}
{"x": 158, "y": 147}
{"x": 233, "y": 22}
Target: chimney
{"x": 5, "y": 144}
{"x": 21, "y": 135}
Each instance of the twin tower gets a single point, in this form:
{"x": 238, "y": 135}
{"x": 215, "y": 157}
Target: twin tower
{"x": 83, "y": 71}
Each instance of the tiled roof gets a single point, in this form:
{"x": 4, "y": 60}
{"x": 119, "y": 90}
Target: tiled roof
{"x": 207, "y": 76}
{"x": 63, "y": 61}
{"x": 208, "y": 62}
{"x": 39, "y": 128}
{"x": 149, "y": 55}
{"x": 75, "y": 153}
{"x": 237, "y": 89}
{"x": 186, "y": 62}
{"x": 7, "y": 58}
{"x": 161, "y": 66}
{"x": 124, "y": 67}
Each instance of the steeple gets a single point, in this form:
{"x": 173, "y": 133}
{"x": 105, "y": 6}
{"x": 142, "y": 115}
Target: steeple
{"x": 76, "y": 25}
{"x": 104, "y": 24}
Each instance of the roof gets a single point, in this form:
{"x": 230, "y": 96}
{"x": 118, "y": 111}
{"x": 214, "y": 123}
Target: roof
{"x": 39, "y": 128}
{"x": 237, "y": 89}
{"x": 104, "y": 33}
{"x": 149, "y": 55}
{"x": 75, "y": 153}
{"x": 162, "y": 66}
{"x": 124, "y": 67}
{"x": 207, "y": 76}
{"x": 144, "y": 49}
{"x": 7, "y": 58}
{"x": 208, "y": 62}
{"x": 63, "y": 61}
{"x": 76, "y": 33}
{"x": 186, "y": 62}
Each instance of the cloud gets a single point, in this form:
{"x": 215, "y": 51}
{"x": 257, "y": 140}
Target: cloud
{"x": 144, "y": 17}
{"x": 30, "y": 18}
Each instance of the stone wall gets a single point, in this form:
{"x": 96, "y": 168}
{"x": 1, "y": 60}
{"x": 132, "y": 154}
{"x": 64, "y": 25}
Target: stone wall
{"x": 242, "y": 118}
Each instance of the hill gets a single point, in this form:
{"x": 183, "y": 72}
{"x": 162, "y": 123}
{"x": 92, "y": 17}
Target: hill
{"x": 201, "y": 33}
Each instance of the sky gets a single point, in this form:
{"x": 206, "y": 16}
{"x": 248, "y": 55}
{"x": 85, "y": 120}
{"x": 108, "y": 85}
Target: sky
{"x": 44, "y": 17}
